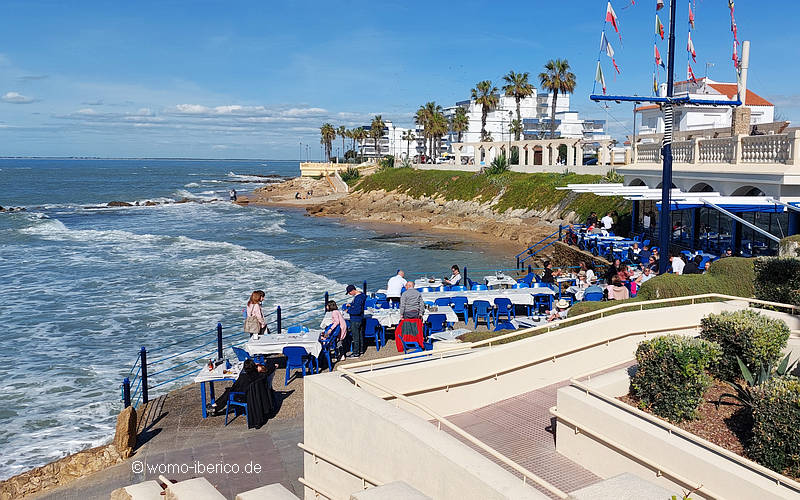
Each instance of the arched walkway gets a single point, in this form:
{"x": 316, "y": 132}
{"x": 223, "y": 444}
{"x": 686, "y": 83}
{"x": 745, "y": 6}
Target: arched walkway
{"x": 748, "y": 191}
{"x": 701, "y": 187}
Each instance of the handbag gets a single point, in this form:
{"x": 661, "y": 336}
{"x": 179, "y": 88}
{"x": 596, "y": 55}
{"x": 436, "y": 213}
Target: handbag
{"x": 251, "y": 324}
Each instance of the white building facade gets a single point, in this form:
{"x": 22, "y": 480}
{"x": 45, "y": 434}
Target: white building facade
{"x": 392, "y": 143}
{"x": 689, "y": 118}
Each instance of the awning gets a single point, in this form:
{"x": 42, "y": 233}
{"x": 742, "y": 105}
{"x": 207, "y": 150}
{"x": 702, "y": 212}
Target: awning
{"x": 733, "y": 204}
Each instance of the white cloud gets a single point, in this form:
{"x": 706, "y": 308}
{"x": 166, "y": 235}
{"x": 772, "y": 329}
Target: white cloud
{"x": 17, "y": 98}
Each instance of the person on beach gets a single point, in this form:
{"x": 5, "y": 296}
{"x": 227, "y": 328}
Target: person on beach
{"x": 356, "y": 311}
{"x": 411, "y": 304}
{"x": 394, "y": 288}
{"x": 254, "y": 322}
{"x": 251, "y": 372}
{"x": 337, "y": 319}
{"x": 455, "y": 278}
{"x": 233, "y": 195}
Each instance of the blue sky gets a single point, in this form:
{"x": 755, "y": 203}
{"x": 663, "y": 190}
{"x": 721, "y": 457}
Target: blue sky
{"x": 254, "y": 79}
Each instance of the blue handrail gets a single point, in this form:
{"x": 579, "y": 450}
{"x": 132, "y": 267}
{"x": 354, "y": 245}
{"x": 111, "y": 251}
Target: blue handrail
{"x": 538, "y": 243}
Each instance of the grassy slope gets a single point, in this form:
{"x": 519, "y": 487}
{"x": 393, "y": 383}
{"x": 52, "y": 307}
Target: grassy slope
{"x": 528, "y": 191}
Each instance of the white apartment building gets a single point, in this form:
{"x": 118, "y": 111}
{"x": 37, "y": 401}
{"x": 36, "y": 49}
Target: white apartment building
{"x": 705, "y": 117}
{"x": 392, "y": 142}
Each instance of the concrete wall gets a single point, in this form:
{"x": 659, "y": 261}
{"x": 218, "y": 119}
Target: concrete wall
{"x": 388, "y": 444}
{"x": 698, "y": 464}
{"x": 526, "y": 169}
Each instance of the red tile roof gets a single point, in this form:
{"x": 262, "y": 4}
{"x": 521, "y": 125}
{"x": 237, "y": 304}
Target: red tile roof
{"x": 730, "y": 90}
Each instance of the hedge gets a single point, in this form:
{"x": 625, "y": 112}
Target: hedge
{"x": 672, "y": 375}
{"x": 729, "y": 276}
{"x": 755, "y": 338}
{"x": 776, "y": 420}
{"x": 778, "y": 279}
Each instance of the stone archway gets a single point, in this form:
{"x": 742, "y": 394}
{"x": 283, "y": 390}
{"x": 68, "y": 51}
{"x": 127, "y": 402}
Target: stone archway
{"x": 701, "y": 187}
{"x": 637, "y": 182}
{"x": 748, "y": 191}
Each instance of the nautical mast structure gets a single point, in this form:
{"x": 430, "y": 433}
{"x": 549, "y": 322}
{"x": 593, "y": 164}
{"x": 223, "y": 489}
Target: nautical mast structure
{"x": 667, "y": 105}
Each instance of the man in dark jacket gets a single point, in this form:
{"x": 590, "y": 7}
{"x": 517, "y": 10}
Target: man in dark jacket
{"x": 693, "y": 267}
{"x": 356, "y": 312}
{"x": 251, "y": 373}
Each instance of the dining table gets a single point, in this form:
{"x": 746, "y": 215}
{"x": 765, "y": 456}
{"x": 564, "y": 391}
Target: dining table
{"x": 275, "y": 342}
{"x": 391, "y": 317}
{"x": 222, "y": 372}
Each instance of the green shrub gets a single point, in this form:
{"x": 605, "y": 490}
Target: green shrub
{"x": 386, "y": 162}
{"x": 730, "y": 276}
{"x": 350, "y": 175}
{"x": 776, "y": 420}
{"x": 778, "y": 279}
{"x": 672, "y": 376}
{"x": 750, "y": 335}
{"x": 498, "y": 165}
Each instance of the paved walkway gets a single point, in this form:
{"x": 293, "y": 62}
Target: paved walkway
{"x": 522, "y": 429}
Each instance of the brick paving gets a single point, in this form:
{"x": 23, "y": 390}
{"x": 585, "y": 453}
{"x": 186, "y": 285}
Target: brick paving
{"x": 522, "y": 429}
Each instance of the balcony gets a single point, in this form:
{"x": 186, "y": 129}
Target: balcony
{"x": 779, "y": 149}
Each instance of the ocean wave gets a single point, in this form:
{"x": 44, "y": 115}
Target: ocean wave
{"x": 203, "y": 196}
{"x": 192, "y": 185}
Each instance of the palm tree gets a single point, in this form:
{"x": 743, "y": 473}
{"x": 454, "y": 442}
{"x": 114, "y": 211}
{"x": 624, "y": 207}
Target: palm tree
{"x": 408, "y": 136}
{"x": 359, "y": 136}
{"x": 460, "y": 122}
{"x": 328, "y": 134}
{"x": 376, "y": 132}
{"x": 439, "y": 127}
{"x": 421, "y": 119}
{"x": 342, "y": 131}
{"x": 485, "y": 94}
{"x": 518, "y": 87}
{"x": 557, "y": 78}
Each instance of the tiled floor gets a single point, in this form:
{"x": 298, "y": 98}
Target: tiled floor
{"x": 522, "y": 429}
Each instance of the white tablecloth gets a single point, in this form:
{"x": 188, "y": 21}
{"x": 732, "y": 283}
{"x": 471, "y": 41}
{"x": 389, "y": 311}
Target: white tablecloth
{"x": 423, "y": 283}
{"x": 517, "y": 296}
{"x": 274, "y": 344}
{"x": 501, "y": 280}
{"x": 391, "y": 317}
{"x": 219, "y": 373}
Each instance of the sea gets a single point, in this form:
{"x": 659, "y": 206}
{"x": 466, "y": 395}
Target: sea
{"x": 84, "y": 285}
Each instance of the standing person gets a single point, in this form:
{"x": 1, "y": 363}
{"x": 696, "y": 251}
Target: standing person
{"x": 411, "y": 303}
{"x": 233, "y": 195}
{"x": 394, "y": 288}
{"x": 254, "y": 322}
{"x": 455, "y": 278}
{"x": 608, "y": 222}
{"x": 677, "y": 263}
{"x": 591, "y": 220}
{"x": 356, "y": 311}
{"x": 337, "y": 319}
{"x": 549, "y": 276}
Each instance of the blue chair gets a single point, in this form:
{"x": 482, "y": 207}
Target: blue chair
{"x": 447, "y": 288}
{"x": 298, "y": 359}
{"x": 370, "y": 303}
{"x": 503, "y": 307}
{"x": 520, "y": 285}
{"x": 329, "y": 345}
{"x": 458, "y": 288}
{"x": 459, "y": 305}
{"x": 435, "y": 323}
{"x": 240, "y": 353}
{"x": 477, "y": 286}
{"x": 382, "y": 304}
{"x": 374, "y": 330}
{"x": 297, "y": 329}
{"x": 504, "y": 325}
{"x": 381, "y": 296}
{"x": 234, "y": 405}
{"x": 425, "y": 289}
{"x": 593, "y": 294}
{"x": 428, "y": 302}
{"x": 482, "y": 309}
{"x": 541, "y": 301}
{"x": 527, "y": 279}
{"x": 442, "y": 301}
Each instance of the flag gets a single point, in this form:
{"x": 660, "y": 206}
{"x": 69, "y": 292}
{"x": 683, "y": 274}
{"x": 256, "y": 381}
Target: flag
{"x": 691, "y": 18}
{"x": 605, "y": 46}
{"x": 616, "y": 68}
{"x": 658, "y": 57}
{"x": 655, "y": 85}
{"x": 659, "y": 4}
{"x": 735, "y": 31}
{"x": 690, "y": 48}
{"x": 611, "y": 17}
{"x": 659, "y": 27}
{"x": 690, "y": 74}
{"x": 735, "y": 56}
{"x": 599, "y": 78}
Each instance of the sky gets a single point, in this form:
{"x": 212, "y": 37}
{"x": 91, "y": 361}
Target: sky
{"x": 255, "y": 79}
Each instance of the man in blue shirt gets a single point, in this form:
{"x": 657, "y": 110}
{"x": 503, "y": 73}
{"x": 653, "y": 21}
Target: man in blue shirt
{"x": 356, "y": 312}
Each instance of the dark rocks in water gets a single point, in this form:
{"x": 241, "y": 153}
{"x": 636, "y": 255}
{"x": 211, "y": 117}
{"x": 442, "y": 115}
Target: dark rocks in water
{"x": 2, "y": 209}
{"x": 150, "y": 203}
{"x": 12, "y": 209}
{"x": 443, "y": 245}
{"x": 391, "y": 236}
{"x": 119, "y": 204}
{"x": 185, "y": 200}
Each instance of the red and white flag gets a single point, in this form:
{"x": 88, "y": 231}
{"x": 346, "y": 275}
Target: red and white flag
{"x": 735, "y": 55}
{"x": 691, "y": 17}
{"x": 659, "y": 4}
{"x": 690, "y": 74}
{"x": 658, "y": 57}
{"x": 611, "y": 17}
{"x": 690, "y": 48}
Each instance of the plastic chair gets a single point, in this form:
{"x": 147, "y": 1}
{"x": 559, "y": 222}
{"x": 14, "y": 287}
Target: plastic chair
{"x": 504, "y": 325}
{"x": 241, "y": 354}
{"x": 374, "y": 330}
{"x": 447, "y": 288}
{"x": 297, "y": 359}
{"x": 442, "y": 301}
{"x": 482, "y": 309}
{"x": 297, "y": 329}
{"x": 458, "y": 288}
{"x": 459, "y": 305}
{"x": 593, "y": 294}
{"x": 381, "y": 296}
{"x": 503, "y": 307}
{"x": 435, "y": 323}
{"x": 370, "y": 303}
{"x": 329, "y": 345}
{"x": 409, "y": 344}
{"x": 477, "y": 286}
{"x": 541, "y": 301}
{"x": 233, "y": 404}
{"x": 382, "y": 304}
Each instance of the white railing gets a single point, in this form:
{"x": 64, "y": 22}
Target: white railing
{"x": 648, "y": 153}
{"x": 766, "y": 148}
{"x": 721, "y": 150}
{"x": 683, "y": 151}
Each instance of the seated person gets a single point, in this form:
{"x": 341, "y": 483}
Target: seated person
{"x": 251, "y": 372}
{"x": 560, "y": 311}
{"x": 635, "y": 253}
{"x": 693, "y": 266}
{"x": 647, "y": 274}
{"x": 549, "y": 276}
{"x": 644, "y": 254}
{"x": 337, "y": 319}
{"x": 618, "y": 291}
{"x": 581, "y": 284}
{"x": 411, "y": 303}
{"x": 652, "y": 263}
{"x": 455, "y": 278}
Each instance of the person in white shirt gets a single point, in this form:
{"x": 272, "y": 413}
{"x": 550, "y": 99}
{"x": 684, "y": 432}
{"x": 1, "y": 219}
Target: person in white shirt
{"x": 395, "y": 286}
{"x": 455, "y": 278}
{"x": 647, "y": 274}
{"x": 607, "y": 222}
{"x": 677, "y": 264}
